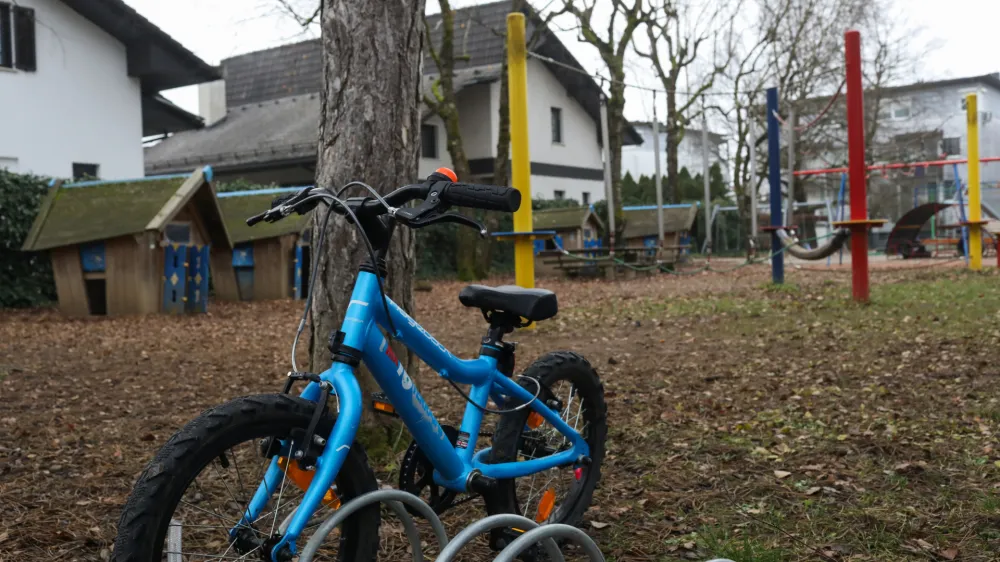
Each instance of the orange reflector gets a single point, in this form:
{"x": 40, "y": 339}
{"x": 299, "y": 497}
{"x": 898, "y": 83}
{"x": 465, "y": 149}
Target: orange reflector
{"x": 534, "y": 420}
{"x": 384, "y": 407}
{"x": 545, "y": 505}
{"x": 448, "y": 172}
{"x": 302, "y": 479}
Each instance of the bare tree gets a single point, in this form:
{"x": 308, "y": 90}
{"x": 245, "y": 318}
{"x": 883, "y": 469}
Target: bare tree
{"x": 612, "y": 44}
{"x": 679, "y": 35}
{"x": 369, "y": 130}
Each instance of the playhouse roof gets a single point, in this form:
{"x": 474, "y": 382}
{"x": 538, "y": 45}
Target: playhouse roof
{"x": 238, "y": 205}
{"x": 562, "y": 218}
{"x": 641, "y": 221}
{"x": 88, "y": 211}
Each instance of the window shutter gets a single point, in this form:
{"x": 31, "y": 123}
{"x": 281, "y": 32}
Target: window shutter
{"x": 24, "y": 38}
{"x": 6, "y": 48}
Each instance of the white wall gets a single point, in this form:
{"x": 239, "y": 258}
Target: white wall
{"x": 428, "y": 165}
{"x": 640, "y": 161}
{"x": 580, "y": 133}
{"x": 475, "y": 115}
{"x": 80, "y": 105}
{"x": 544, "y": 187}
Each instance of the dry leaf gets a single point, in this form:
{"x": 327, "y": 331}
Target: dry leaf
{"x": 813, "y": 490}
{"x": 779, "y": 474}
{"x": 924, "y": 544}
{"x": 598, "y": 524}
{"x": 949, "y": 554}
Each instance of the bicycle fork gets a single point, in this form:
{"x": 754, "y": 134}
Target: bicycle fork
{"x": 345, "y": 385}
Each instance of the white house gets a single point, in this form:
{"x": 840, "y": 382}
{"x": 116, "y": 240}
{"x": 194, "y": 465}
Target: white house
{"x": 262, "y": 119}
{"x": 920, "y": 121}
{"x": 79, "y": 83}
{"x": 640, "y": 160}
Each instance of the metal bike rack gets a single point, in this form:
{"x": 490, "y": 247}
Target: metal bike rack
{"x": 545, "y": 534}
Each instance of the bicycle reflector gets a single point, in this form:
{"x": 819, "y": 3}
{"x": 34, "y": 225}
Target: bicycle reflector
{"x": 381, "y": 404}
{"x": 303, "y": 478}
{"x": 534, "y": 420}
{"x": 545, "y": 505}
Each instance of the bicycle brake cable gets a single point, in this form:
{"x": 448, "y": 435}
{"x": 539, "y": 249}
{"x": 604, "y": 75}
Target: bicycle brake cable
{"x": 371, "y": 254}
{"x": 485, "y": 410}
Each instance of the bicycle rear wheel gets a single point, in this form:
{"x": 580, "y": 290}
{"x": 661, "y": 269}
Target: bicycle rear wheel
{"x": 197, "y": 487}
{"x": 560, "y": 494}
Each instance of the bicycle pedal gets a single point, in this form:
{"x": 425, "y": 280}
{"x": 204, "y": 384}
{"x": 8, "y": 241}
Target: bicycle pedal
{"x": 381, "y": 405}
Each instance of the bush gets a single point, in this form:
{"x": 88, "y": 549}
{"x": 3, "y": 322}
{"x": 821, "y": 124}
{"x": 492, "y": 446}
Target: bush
{"x": 25, "y": 277}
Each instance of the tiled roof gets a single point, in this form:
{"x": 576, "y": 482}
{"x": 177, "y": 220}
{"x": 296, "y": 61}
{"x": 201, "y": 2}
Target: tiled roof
{"x": 280, "y": 72}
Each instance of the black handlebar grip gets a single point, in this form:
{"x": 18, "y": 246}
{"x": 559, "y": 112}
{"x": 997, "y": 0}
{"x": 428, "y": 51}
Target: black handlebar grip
{"x": 485, "y": 197}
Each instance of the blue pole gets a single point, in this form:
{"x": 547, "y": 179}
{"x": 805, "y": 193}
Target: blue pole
{"x": 961, "y": 213}
{"x": 774, "y": 179}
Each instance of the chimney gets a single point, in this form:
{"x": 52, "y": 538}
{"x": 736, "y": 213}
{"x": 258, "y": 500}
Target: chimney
{"x": 212, "y": 101}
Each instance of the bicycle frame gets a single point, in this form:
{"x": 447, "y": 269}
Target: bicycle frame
{"x": 453, "y": 464}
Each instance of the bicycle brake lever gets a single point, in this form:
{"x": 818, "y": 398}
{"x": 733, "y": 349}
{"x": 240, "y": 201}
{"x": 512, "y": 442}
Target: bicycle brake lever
{"x": 451, "y": 217}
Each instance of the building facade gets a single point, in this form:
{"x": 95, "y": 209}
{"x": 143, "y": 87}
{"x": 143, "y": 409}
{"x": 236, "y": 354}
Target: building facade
{"x": 263, "y": 117}
{"x": 80, "y": 81}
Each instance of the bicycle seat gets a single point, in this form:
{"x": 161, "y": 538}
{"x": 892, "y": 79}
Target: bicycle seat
{"x": 533, "y": 304}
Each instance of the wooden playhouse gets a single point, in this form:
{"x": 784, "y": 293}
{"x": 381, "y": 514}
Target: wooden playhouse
{"x": 131, "y": 246}
{"x": 268, "y": 260}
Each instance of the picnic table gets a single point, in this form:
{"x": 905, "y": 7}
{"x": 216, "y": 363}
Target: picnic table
{"x": 574, "y": 263}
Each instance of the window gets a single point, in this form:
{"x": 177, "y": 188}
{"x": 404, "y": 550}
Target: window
{"x": 24, "y": 38}
{"x": 901, "y": 112}
{"x": 428, "y": 141}
{"x": 951, "y": 146}
{"x": 559, "y": 195}
{"x": 587, "y": 234}
{"x": 6, "y": 41}
{"x": 586, "y": 198}
{"x": 85, "y": 171}
{"x": 179, "y": 232}
{"x": 557, "y": 136}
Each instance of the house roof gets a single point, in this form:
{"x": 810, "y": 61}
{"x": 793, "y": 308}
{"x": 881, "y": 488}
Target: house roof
{"x": 160, "y": 115}
{"x": 480, "y": 33}
{"x": 279, "y": 72}
{"x": 641, "y": 222}
{"x": 237, "y": 206}
{"x": 716, "y": 138}
{"x": 282, "y": 130}
{"x": 157, "y": 59}
{"x": 562, "y": 218}
{"x": 98, "y": 210}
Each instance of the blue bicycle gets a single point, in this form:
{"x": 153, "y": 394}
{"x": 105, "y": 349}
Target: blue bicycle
{"x": 246, "y": 479}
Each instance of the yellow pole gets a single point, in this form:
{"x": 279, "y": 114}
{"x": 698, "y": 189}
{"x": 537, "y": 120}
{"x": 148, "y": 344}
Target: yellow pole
{"x": 517, "y": 86}
{"x": 975, "y": 212}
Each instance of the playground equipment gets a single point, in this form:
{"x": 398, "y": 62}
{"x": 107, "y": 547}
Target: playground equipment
{"x": 265, "y": 263}
{"x": 131, "y": 246}
{"x": 523, "y": 235}
{"x": 858, "y": 226}
{"x": 298, "y": 439}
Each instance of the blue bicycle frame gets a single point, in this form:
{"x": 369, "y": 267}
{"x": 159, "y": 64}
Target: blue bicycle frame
{"x": 453, "y": 464}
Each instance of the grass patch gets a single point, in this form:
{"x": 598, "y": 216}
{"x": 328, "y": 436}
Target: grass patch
{"x": 720, "y": 544}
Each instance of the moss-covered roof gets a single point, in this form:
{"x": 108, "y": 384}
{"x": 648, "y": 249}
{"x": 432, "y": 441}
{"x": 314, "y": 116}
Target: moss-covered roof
{"x": 642, "y": 222}
{"x": 237, "y": 206}
{"x": 559, "y": 219}
{"x": 98, "y": 210}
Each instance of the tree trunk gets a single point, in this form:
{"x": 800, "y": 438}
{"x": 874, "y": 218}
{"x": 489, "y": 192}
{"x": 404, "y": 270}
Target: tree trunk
{"x": 673, "y": 140}
{"x": 616, "y": 133}
{"x": 369, "y": 131}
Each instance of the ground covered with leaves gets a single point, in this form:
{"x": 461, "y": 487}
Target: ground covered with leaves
{"x": 746, "y": 420}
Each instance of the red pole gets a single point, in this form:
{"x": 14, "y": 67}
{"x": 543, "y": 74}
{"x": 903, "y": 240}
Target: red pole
{"x": 856, "y": 165}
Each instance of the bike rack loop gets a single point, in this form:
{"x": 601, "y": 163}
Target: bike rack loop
{"x": 395, "y": 498}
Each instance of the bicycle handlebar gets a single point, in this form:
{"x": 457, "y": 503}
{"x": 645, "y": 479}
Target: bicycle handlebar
{"x": 485, "y": 197}
{"x": 437, "y": 191}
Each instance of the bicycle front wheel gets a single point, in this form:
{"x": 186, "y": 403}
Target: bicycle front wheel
{"x": 194, "y": 492}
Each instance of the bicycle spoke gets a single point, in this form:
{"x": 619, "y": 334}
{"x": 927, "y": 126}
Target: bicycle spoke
{"x": 281, "y": 489}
